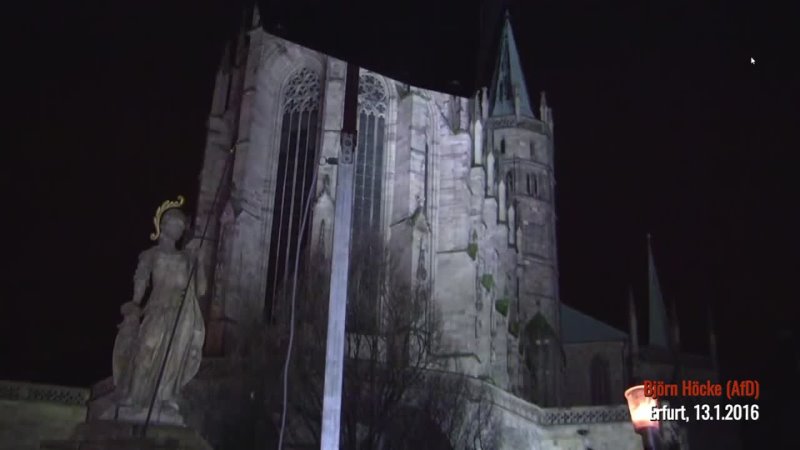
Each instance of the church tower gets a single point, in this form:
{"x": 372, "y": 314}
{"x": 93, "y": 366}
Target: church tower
{"x": 520, "y": 153}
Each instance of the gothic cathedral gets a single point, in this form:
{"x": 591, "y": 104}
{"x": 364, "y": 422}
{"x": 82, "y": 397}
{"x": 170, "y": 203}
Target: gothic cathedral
{"x": 461, "y": 190}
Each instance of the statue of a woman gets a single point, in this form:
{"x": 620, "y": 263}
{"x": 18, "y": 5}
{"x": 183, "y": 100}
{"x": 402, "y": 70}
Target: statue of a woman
{"x": 140, "y": 351}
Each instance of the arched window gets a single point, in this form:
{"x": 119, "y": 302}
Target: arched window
{"x": 366, "y": 255}
{"x": 369, "y": 156}
{"x": 600, "y": 381}
{"x": 503, "y": 146}
{"x": 296, "y": 158}
{"x": 533, "y": 185}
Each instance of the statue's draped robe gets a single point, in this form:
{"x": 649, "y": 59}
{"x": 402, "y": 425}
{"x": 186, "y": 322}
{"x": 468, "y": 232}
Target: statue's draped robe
{"x": 125, "y": 349}
{"x": 169, "y": 272}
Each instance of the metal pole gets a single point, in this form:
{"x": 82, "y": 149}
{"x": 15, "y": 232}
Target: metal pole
{"x": 340, "y": 264}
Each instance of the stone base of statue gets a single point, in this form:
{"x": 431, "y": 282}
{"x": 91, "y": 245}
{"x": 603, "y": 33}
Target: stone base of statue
{"x": 111, "y": 435}
{"x": 138, "y": 415}
{"x": 105, "y": 404}
{"x": 217, "y": 403}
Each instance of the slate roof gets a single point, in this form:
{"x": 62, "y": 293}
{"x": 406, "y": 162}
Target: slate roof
{"x": 579, "y": 327}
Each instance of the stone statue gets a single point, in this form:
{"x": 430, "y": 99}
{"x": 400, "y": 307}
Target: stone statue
{"x": 141, "y": 348}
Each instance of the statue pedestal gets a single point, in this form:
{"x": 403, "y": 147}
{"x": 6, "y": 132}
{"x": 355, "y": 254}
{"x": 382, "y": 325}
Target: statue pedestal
{"x": 137, "y": 415}
{"x": 111, "y": 435}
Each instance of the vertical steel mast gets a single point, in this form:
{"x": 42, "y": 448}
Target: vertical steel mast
{"x": 340, "y": 264}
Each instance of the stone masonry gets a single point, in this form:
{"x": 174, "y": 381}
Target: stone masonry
{"x": 467, "y": 191}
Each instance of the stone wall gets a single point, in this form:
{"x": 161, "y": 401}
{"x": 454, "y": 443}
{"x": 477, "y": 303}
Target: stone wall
{"x": 31, "y": 413}
{"x": 525, "y": 425}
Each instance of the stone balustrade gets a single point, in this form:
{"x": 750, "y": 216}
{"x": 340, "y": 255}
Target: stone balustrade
{"x": 31, "y": 392}
{"x": 558, "y": 416}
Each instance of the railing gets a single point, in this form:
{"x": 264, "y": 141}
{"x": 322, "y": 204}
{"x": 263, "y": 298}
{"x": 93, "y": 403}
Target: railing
{"x": 587, "y": 415}
{"x": 558, "y": 416}
{"x": 580, "y": 415}
{"x": 32, "y": 392}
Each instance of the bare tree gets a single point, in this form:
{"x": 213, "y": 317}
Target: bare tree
{"x": 394, "y": 328}
{"x": 461, "y": 407}
{"x": 447, "y": 410}
{"x": 393, "y": 395}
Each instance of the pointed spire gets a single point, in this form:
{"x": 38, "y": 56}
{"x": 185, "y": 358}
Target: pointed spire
{"x": 512, "y": 224}
{"x": 509, "y": 93}
{"x": 484, "y": 103}
{"x": 545, "y": 113}
{"x": 633, "y": 330}
{"x": 633, "y": 325}
{"x": 676, "y": 330}
{"x": 477, "y": 133}
{"x": 490, "y": 174}
{"x": 501, "y": 200}
{"x": 255, "y": 16}
{"x": 659, "y": 336}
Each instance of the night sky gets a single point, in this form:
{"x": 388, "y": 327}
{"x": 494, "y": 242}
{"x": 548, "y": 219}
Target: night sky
{"x": 662, "y": 124}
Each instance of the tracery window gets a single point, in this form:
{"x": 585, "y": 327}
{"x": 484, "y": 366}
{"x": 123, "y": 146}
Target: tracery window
{"x": 369, "y": 156}
{"x": 366, "y": 284}
{"x": 296, "y": 159}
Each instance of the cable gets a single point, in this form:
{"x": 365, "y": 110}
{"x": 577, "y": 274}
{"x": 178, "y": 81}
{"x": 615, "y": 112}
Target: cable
{"x": 291, "y": 317}
{"x": 183, "y": 299}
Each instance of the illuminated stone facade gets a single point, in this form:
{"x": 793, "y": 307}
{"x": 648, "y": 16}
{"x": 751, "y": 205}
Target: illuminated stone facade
{"x": 461, "y": 190}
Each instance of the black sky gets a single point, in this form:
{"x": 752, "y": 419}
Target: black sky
{"x": 662, "y": 125}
